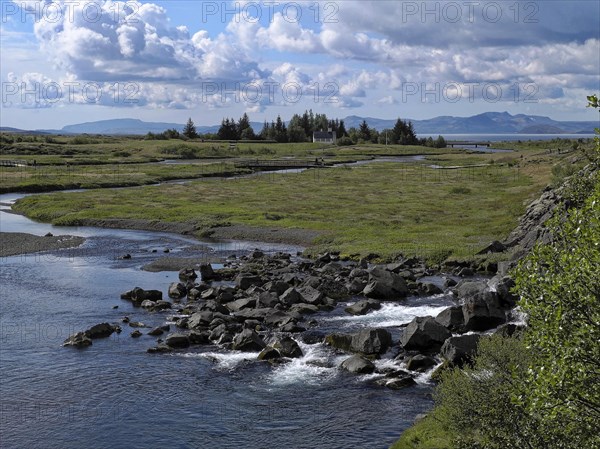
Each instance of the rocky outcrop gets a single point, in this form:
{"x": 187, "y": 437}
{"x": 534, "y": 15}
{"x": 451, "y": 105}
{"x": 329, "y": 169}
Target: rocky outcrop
{"x": 460, "y": 349}
{"x": 369, "y": 342}
{"x": 138, "y": 295}
{"x": 420, "y": 362}
{"x": 248, "y": 340}
{"x": 358, "y": 365}
{"x": 452, "y": 319}
{"x": 177, "y": 290}
{"x": 424, "y": 334}
{"x": 102, "y": 330}
{"x": 531, "y": 227}
{"x": 363, "y": 307}
{"x": 480, "y": 305}
{"x": 286, "y": 347}
{"x": 78, "y": 340}
{"x": 84, "y": 339}
{"x": 384, "y": 284}
{"x": 178, "y": 341}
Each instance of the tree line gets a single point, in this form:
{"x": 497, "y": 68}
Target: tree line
{"x": 301, "y": 127}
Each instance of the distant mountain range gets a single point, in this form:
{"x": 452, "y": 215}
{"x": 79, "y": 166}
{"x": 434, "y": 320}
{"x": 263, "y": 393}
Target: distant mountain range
{"x": 486, "y": 123}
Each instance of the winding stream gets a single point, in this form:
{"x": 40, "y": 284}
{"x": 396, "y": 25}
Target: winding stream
{"x": 114, "y": 394}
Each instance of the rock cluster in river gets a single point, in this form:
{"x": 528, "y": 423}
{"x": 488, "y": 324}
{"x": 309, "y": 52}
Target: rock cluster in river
{"x": 263, "y": 303}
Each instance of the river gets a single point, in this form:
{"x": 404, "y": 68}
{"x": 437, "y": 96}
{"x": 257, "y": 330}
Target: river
{"x": 114, "y": 394}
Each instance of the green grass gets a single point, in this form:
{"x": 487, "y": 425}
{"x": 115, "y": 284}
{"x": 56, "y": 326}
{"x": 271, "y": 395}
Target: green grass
{"x": 63, "y": 177}
{"x": 384, "y": 208}
{"x": 426, "y": 433}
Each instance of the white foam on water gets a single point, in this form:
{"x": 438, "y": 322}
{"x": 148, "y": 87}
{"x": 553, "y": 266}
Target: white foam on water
{"x": 224, "y": 360}
{"x": 425, "y": 378}
{"x": 316, "y": 364}
{"x": 390, "y": 315}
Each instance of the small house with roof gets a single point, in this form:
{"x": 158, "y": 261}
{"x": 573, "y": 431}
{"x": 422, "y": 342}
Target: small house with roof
{"x": 324, "y": 136}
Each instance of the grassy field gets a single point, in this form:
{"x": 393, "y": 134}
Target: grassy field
{"x": 62, "y": 177}
{"x": 383, "y": 208}
{"x": 73, "y": 162}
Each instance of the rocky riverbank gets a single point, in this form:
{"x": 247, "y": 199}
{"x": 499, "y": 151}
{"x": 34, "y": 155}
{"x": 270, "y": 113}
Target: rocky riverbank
{"x": 265, "y": 303}
{"x": 17, "y": 243}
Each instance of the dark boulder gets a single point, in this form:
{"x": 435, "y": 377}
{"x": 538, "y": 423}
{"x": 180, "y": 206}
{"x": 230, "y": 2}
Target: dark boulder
{"x": 217, "y": 332}
{"x": 224, "y": 294}
{"x": 503, "y": 285}
{"x": 363, "y": 307}
{"x": 360, "y": 273}
{"x": 424, "y": 334}
{"x": 178, "y": 341}
{"x": 269, "y": 354}
{"x": 253, "y": 314}
{"x": 290, "y": 297}
{"x": 78, "y": 340}
{"x": 358, "y": 365}
{"x": 177, "y": 290}
{"x": 460, "y": 349}
{"x": 195, "y": 292}
{"x": 367, "y": 341}
{"x": 268, "y": 299}
{"x": 207, "y": 273}
{"x": 200, "y": 319}
{"x": 339, "y": 341}
{"x": 161, "y": 348}
{"x": 399, "y": 382}
{"x": 102, "y": 330}
{"x": 156, "y": 332}
{"x": 356, "y": 285}
{"x": 471, "y": 289}
{"x": 482, "y": 315}
{"x": 384, "y": 284}
{"x": 248, "y": 340}
{"x": 242, "y": 303}
{"x": 466, "y": 272}
{"x": 244, "y": 281}
{"x": 199, "y": 337}
{"x": 287, "y": 347}
{"x": 187, "y": 274}
{"x": 162, "y": 305}
{"x": 292, "y": 328}
{"x": 420, "y": 362}
{"x": 494, "y": 247}
{"x": 313, "y": 337}
{"x": 138, "y": 295}
{"x": 452, "y": 318}
{"x": 311, "y": 295}
{"x": 427, "y": 288}
{"x": 371, "y": 341}
{"x": 277, "y": 287}
{"x": 332, "y": 288}
{"x": 304, "y": 309}
{"x": 449, "y": 282}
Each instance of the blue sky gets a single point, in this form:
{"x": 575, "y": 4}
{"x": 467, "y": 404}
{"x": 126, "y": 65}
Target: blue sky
{"x": 71, "y": 61}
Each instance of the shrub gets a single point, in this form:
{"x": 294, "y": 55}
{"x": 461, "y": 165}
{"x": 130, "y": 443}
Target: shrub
{"x": 344, "y": 141}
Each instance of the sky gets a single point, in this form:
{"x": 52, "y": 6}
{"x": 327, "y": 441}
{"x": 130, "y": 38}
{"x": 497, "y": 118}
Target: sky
{"x": 71, "y": 61}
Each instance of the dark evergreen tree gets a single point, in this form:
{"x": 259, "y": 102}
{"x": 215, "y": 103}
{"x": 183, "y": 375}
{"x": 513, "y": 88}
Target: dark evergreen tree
{"x": 364, "y": 132}
{"x": 189, "y": 130}
{"x": 341, "y": 129}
